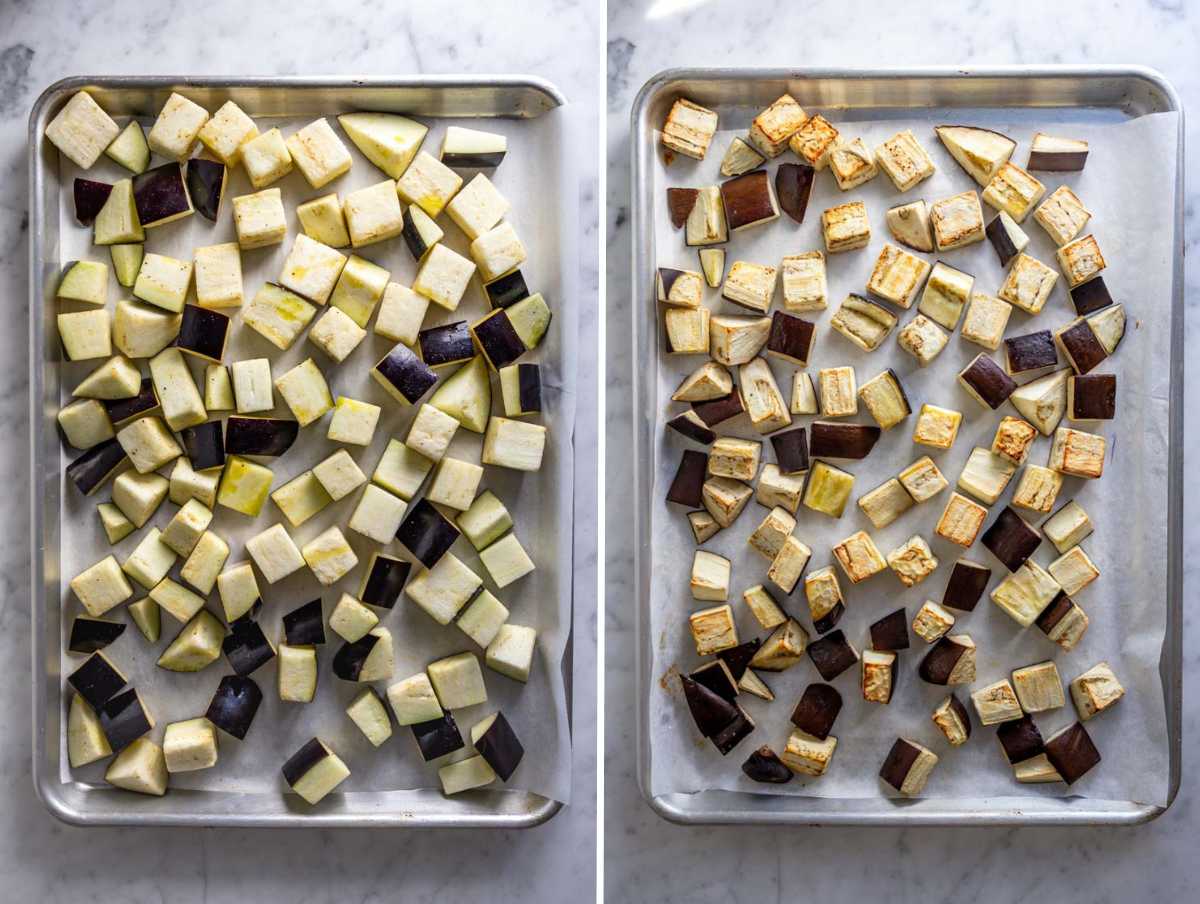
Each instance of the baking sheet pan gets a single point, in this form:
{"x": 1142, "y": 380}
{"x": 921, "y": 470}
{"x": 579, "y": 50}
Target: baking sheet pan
{"x": 389, "y": 786}
{"x": 1095, "y": 96}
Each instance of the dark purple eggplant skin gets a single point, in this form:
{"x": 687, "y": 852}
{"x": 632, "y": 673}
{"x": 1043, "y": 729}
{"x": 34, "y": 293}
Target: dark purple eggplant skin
{"x": 1030, "y": 352}
{"x": 817, "y": 710}
{"x": 715, "y": 676}
{"x": 765, "y": 766}
{"x": 680, "y": 202}
{"x": 406, "y": 373}
{"x": 940, "y": 661}
{"x": 246, "y": 646}
{"x": 834, "y": 440}
{"x": 711, "y": 712}
{"x": 265, "y": 436}
{"x": 666, "y": 281}
{"x": 304, "y": 625}
{"x": 498, "y": 339}
{"x": 206, "y": 185}
{"x": 204, "y": 445}
{"x": 448, "y": 344}
{"x": 791, "y": 338}
{"x": 123, "y": 720}
{"x": 738, "y": 658}
{"x": 349, "y": 659}
{"x": 146, "y": 400}
{"x": 384, "y": 581}
{"x": 507, "y": 290}
{"x": 500, "y": 747}
{"x": 1093, "y": 397}
{"x": 96, "y": 680}
{"x": 438, "y": 737}
{"x": 412, "y": 236}
{"x": 90, "y": 196}
{"x": 829, "y": 620}
{"x": 733, "y": 733}
{"x": 1020, "y": 739}
{"x": 202, "y": 332}
{"x": 747, "y": 199}
{"x": 793, "y": 185}
{"x": 988, "y": 379}
{"x": 1072, "y": 753}
{"x": 234, "y": 705}
{"x": 529, "y": 387}
{"x": 160, "y": 193}
{"x": 966, "y": 584}
{"x": 1011, "y": 539}
{"x": 1083, "y": 349}
{"x": 899, "y": 761}
{"x": 91, "y": 469}
{"x": 687, "y": 488}
{"x": 426, "y": 533}
{"x": 1001, "y": 243}
{"x": 890, "y": 633}
{"x": 832, "y": 654}
{"x": 717, "y": 411}
{"x": 1091, "y": 296}
{"x": 791, "y": 450}
{"x": 685, "y": 426}
{"x": 1057, "y": 161}
{"x": 300, "y": 762}
{"x": 91, "y": 634}
{"x": 1055, "y": 612}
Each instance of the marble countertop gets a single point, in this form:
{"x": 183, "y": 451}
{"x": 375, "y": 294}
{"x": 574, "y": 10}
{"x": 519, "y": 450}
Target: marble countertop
{"x": 43, "y": 860}
{"x": 648, "y": 859}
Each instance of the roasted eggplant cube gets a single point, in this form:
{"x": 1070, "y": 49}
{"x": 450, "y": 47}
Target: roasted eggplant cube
{"x": 890, "y": 633}
{"x": 817, "y": 710}
{"x": 832, "y": 654}
{"x": 1072, "y": 752}
{"x": 688, "y": 484}
{"x": 1092, "y": 397}
{"x": 986, "y": 382}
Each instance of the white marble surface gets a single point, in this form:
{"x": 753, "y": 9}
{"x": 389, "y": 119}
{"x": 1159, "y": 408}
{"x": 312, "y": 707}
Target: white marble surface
{"x": 648, "y": 859}
{"x": 42, "y": 41}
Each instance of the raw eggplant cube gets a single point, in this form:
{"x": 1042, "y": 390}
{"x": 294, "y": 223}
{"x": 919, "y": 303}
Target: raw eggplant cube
{"x": 369, "y": 714}
{"x": 497, "y": 251}
{"x": 190, "y": 745}
{"x": 218, "y": 270}
{"x": 478, "y": 207}
{"x": 301, "y": 498}
{"x": 443, "y": 276}
{"x": 351, "y": 620}
{"x": 305, "y": 391}
{"x": 511, "y": 651}
{"x": 278, "y": 315}
{"x": 514, "y": 444}
{"x": 259, "y": 219}
{"x": 322, "y": 219}
{"x": 506, "y": 561}
{"x": 85, "y": 334}
{"x": 383, "y": 580}
{"x": 401, "y": 470}
{"x": 314, "y": 771}
{"x": 428, "y": 183}
{"x": 339, "y": 475}
{"x": 81, "y": 130}
{"x": 275, "y": 554}
{"x": 266, "y": 158}
{"x": 311, "y": 269}
{"x": 297, "y": 671}
{"x": 336, "y": 334}
{"x": 373, "y": 214}
{"x": 359, "y": 288}
{"x": 401, "y": 313}
{"x": 444, "y": 589}
{"x": 318, "y": 153}
{"x": 353, "y": 422}
{"x": 178, "y": 125}
{"x": 226, "y": 132}
{"x": 329, "y": 556}
{"x": 427, "y": 533}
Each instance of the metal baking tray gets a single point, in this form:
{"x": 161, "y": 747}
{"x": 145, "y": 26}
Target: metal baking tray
{"x": 1116, "y": 91}
{"x": 93, "y": 802}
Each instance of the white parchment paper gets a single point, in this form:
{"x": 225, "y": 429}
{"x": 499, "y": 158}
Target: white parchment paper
{"x": 1128, "y": 185}
{"x": 540, "y": 503}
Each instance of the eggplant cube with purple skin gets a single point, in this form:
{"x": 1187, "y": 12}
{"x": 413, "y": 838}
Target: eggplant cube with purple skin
{"x": 806, "y": 755}
{"x": 1025, "y": 593}
{"x": 885, "y": 399}
{"x": 749, "y": 201}
{"x": 761, "y": 398}
{"x": 863, "y": 322}
{"x": 953, "y": 721}
{"x": 789, "y": 564}
{"x": 679, "y": 287}
{"x": 824, "y": 595}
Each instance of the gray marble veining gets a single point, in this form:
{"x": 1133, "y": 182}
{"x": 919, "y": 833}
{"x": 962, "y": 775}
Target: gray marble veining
{"x": 648, "y": 859}
{"x": 40, "y": 42}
